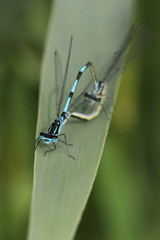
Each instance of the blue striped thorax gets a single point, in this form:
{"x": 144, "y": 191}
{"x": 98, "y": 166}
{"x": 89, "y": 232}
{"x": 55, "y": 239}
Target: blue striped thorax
{"x": 57, "y": 124}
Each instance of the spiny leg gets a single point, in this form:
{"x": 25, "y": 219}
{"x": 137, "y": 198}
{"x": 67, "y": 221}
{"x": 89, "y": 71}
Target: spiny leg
{"x": 66, "y": 143}
{"x": 37, "y": 143}
{"x": 51, "y": 149}
{"x": 67, "y": 148}
{"x": 65, "y": 139}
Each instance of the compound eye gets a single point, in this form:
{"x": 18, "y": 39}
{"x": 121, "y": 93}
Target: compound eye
{"x": 42, "y": 134}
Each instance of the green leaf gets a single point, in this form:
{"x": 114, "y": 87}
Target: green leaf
{"x": 62, "y": 185}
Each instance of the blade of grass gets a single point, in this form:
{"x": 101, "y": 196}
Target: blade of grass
{"x": 62, "y": 185}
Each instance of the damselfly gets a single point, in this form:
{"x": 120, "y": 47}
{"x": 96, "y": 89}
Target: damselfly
{"x": 97, "y": 90}
{"x": 54, "y": 129}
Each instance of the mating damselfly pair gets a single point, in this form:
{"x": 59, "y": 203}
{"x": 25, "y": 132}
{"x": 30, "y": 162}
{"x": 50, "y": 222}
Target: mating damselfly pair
{"x": 95, "y": 91}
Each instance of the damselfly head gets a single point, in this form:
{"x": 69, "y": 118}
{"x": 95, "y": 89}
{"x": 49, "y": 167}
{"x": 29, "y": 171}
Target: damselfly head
{"x": 47, "y": 138}
{"x": 44, "y": 137}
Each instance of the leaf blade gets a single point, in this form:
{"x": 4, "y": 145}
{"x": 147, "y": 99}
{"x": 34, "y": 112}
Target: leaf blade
{"x": 62, "y": 185}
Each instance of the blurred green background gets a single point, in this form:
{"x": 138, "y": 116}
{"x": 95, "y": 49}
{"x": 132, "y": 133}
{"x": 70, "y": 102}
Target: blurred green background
{"x": 124, "y": 203}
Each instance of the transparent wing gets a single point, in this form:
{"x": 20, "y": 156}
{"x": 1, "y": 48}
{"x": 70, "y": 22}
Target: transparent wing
{"x": 132, "y": 45}
{"x": 113, "y": 70}
{"x": 58, "y": 80}
{"x": 59, "y": 103}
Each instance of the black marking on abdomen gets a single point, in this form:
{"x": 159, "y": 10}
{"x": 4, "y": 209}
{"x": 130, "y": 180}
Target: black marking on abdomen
{"x": 71, "y": 94}
{"x": 79, "y": 75}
